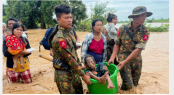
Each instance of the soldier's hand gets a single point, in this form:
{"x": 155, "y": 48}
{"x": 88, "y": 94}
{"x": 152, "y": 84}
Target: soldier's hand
{"x": 111, "y": 60}
{"x": 121, "y": 64}
{"x": 86, "y": 79}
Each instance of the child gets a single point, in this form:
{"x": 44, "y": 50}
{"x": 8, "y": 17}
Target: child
{"x": 111, "y": 34}
{"x": 15, "y": 46}
{"x": 99, "y": 73}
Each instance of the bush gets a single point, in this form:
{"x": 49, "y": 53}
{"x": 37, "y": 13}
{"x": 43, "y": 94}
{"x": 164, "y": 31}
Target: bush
{"x": 162, "y": 28}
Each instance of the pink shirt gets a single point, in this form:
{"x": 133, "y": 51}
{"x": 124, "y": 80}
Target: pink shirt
{"x": 97, "y": 46}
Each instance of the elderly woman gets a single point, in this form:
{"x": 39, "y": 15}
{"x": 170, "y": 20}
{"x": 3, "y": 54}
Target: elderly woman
{"x": 24, "y": 73}
{"x": 95, "y": 43}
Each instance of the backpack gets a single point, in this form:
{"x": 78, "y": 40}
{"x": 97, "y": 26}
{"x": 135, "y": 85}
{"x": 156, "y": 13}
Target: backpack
{"x": 44, "y": 41}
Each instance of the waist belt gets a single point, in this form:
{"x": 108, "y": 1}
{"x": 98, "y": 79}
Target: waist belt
{"x": 61, "y": 71}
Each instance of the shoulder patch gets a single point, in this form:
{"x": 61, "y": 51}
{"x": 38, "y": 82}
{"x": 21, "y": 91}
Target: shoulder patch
{"x": 63, "y": 44}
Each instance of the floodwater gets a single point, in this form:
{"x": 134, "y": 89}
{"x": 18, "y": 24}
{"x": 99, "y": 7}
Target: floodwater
{"x": 152, "y": 24}
{"x": 154, "y": 78}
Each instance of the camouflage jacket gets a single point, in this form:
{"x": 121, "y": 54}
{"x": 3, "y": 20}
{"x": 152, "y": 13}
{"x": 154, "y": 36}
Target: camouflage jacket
{"x": 64, "y": 47}
{"x": 141, "y": 36}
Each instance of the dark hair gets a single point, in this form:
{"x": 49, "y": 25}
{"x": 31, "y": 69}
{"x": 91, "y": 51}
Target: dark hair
{"x": 94, "y": 21}
{"x": 110, "y": 17}
{"x": 62, "y": 8}
{"x": 7, "y": 30}
{"x": 12, "y": 19}
{"x": 17, "y": 25}
{"x": 86, "y": 56}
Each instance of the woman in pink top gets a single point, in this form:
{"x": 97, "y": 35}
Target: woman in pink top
{"x": 95, "y": 43}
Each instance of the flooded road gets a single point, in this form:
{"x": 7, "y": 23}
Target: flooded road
{"x": 154, "y": 78}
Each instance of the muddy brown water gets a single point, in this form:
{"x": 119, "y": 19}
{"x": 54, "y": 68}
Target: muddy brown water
{"x": 154, "y": 78}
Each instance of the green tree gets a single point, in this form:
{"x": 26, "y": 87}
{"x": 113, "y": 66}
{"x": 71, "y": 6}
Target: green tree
{"x": 78, "y": 11}
{"x": 34, "y": 12}
{"x": 100, "y": 10}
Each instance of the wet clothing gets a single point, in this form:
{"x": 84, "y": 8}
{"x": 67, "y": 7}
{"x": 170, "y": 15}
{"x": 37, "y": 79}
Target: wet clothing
{"x": 69, "y": 83}
{"x": 110, "y": 44}
{"x": 99, "y": 70}
{"x": 85, "y": 47}
{"x": 64, "y": 48}
{"x": 14, "y": 77}
{"x": 131, "y": 71}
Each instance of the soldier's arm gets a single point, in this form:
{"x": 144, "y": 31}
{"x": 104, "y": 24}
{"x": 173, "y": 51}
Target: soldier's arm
{"x": 67, "y": 56}
{"x": 139, "y": 46}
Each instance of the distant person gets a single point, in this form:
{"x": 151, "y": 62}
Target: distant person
{"x": 95, "y": 43}
{"x": 10, "y": 22}
{"x": 111, "y": 34}
{"x": 15, "y": 74}
{"x": 131, "y": 40}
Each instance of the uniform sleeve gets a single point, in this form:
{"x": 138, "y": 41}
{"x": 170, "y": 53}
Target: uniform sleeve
{"x": 142, "y": 40}
{"x": 119, "y": 33}
{"x": 61, "y": 50}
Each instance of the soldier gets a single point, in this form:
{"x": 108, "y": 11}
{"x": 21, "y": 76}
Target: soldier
{"x": 131, "y": 40}
{"x": 65, "y": 58}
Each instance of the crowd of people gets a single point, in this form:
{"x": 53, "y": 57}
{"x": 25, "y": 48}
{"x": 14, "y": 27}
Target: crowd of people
{"x": 105, "y": 43}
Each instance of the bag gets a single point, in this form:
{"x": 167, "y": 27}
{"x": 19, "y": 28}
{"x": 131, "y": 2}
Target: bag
{"x": 44, "y": 41}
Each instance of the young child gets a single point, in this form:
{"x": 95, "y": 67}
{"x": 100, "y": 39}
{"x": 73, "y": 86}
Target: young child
{"x": 99, "y": 73}
{"x": 15, "y": 46}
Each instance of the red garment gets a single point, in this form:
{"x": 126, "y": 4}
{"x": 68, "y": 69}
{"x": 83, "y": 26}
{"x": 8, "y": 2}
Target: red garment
{"x": 97, "y": 46}
{"x": 15, "y": 44}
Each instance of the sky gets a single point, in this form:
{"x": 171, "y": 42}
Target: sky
{"x": 159, "y": 8}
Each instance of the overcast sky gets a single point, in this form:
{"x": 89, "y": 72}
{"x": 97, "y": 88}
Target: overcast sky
{"x": 160, "y": 8}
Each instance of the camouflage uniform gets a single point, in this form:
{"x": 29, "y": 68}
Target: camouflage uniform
{"x": 110, "y": 45}
{"x": 63, "y": 45}
{"x": 131, "y": 71}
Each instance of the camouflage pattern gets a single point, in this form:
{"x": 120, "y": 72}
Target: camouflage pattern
{"x": 64, "y": 47}
{"x": 68, "y": 83}
{"x": 131, "y": 71}
{"x": 110, "y": 45}
{"x": 139, "y": 10}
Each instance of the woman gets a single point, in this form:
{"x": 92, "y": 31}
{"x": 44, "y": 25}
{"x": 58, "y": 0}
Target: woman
{"x": 95, "y": 43}
{"x": 24, "y": 73}
{"x": 111, "y": 34}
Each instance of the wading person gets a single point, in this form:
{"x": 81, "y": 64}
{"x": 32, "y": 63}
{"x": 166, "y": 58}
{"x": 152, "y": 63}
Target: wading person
{"x": 65, "y": 59}
{"x": 131, "y": 40}
{"x": 111, "y": 34}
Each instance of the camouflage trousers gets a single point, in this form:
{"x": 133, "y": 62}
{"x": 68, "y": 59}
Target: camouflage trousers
{"x": 131, "y": 72}
{"x": 109, "y": 53}
{"x": 69, "y": 83}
